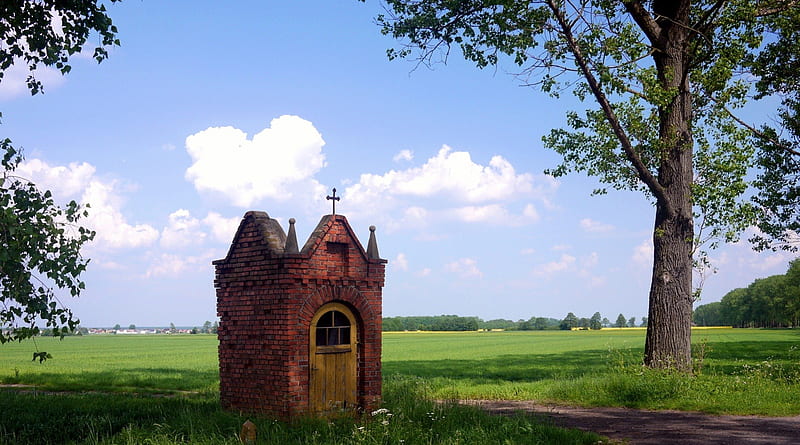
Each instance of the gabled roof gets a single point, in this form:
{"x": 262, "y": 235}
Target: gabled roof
{"x": 272, "y": 236}
{"x": 270, "y": 230}
{"x": 320, "y": 233}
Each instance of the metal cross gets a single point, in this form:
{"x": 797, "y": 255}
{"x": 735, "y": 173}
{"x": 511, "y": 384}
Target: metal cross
{"x": 334, "y": 198}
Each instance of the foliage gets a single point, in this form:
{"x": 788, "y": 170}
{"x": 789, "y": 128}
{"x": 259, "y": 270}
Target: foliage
{"x": 41, "y": 245}
{"x": 48, "y": 32}
{"x": 569, "y": 322}
{"x": 621, "y": 322}
{"x": 767, "y": 302}
{"x": 778, "y": 182}
{"x": 431, "y": 323}
{"x": 663, "y": 78}
{"x": 41, "y": 241}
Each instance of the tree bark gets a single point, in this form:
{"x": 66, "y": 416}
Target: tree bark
{"x": 668, "y": 341}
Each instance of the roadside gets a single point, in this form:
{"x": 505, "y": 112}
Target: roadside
{"x": 641, "y": 427}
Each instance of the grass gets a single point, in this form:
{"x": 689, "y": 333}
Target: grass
{"x": 163, "y": 389}
{"x": 740, "y": 371}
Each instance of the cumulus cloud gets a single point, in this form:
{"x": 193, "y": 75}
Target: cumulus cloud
{"x": 590, "y": 225}
{"x": 182, "y": 230}
{"x": 465, "y": 268}
{"x": 276, "y": 163}
{"x": 172, "y": 265}
{"x": 79, "y": 182}
{"x": 449, "y": 186}
{"x": 223, "y": 229}
{"x": 565, "y": 262}
{"x": 403, "y": 155}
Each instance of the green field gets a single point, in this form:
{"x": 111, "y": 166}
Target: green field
{"x": 162, "y": 389}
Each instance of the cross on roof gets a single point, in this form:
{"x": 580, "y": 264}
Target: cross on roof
{"x": 334, "y": 198}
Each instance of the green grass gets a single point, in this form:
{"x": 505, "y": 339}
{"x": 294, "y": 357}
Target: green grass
{"x": 741, "y": 371}
{"x": 163, "y": 389}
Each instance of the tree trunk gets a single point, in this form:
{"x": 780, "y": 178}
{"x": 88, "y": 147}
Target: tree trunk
{"x": 668, "y": 342}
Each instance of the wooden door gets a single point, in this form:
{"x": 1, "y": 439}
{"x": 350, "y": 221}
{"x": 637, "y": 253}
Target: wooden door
{"x": 333, "y": 360}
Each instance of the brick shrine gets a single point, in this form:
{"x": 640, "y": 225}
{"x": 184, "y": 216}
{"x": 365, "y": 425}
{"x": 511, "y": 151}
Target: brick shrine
{"x": 300, "y": 329}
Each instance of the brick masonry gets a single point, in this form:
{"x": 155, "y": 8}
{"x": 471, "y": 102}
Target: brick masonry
{"x": 266, "y": 298}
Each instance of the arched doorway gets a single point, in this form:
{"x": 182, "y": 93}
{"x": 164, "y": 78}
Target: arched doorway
{"x": 333, "y": 359}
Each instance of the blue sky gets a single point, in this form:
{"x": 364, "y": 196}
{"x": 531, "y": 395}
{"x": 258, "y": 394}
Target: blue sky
{"x": 207, "y": 111}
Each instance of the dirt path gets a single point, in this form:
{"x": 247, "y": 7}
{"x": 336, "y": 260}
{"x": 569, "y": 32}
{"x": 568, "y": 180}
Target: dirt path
{"x": 639, "y": 427}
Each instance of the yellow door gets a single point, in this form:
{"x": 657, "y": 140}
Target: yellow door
{"x": 333, "y": 357}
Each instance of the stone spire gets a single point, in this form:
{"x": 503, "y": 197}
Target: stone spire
{"x": 291, "y": 239}
{"x": 372, "y": 246}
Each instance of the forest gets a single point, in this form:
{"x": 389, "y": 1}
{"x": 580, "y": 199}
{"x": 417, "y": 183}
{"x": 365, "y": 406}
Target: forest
{"x": 771, "y": 302}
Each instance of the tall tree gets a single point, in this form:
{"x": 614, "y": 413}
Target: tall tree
{"x": 663, "y": 78}
{"x": 621, "y": 322}
{"x": 40, "y": 241}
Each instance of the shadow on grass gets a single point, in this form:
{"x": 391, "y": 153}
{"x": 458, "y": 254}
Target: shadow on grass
{"x": 146, "y": 380}
{"x": 511, "y": 367}
{"x": 720, "y": 357}
{"x": 68, "y": 418}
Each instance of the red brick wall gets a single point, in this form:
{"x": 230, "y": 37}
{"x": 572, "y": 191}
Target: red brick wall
{"x": 266, "y": 300}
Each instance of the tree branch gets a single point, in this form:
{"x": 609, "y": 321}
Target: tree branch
{"x": 756, "y": 131}
{"x": 645, "y": 21}
{"x": 775, "y": 8}
{"x": 642, "y": 172}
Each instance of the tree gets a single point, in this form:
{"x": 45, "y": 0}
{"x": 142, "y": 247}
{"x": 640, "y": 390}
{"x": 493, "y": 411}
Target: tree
{"x": 778, "y": 183}
{"x": 632, "y": 322}
{"x": 569, "y": 322}
{"x": 621, "y": 322}
{"x": 132, "y": 326}
{"x": 663, "y": 77}
{"x": 206, "y": 327}
{"x": 606, "y": 322}
{"x": 41, "y": 241}
{"x": 644, "y": 322}
{"x": 117, "y": 327}
{"x": 596, "y": 322}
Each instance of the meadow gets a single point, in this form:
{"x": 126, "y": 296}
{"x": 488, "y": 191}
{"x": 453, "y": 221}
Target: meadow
{"x": 163, "y": 389}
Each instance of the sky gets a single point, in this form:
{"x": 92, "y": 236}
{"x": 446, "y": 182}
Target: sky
{"x": 207, "y": 110}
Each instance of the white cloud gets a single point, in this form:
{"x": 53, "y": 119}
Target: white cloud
{"x": 182, "y": 231}
{"x": 278, "y": 162}
{"x": 465, "y": 268}
{"x": 496, "y": 214}
{"x": 403, "y": 155}
{"x": 222, "y": 228}
{"x": 449, "y": 186}
{"x": 64, "y": 181}
{"x": 590, "y": 225}
{"x": 449, "y": 173}
{"x": 424, "y": 272}
{"x": 171, "y": 265}
{"x": 643, "y": 254}
{"x": 79, "y": 182}
{"x": 105, "y": 217}
{"x": 14, "y": 82}
{"x": 528, "y": 251}
{"x": 563, "y": 263}
{"x": 400, "y": 262}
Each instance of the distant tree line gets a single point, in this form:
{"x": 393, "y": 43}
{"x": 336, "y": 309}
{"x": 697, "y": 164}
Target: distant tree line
{"x": 431, "y": 323}
{"x": 771, "y": 302}
{"x": 456, "y": 323}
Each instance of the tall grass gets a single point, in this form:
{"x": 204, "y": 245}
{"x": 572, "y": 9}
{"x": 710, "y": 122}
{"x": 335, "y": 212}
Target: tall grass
{"x": 409, "y": 416}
